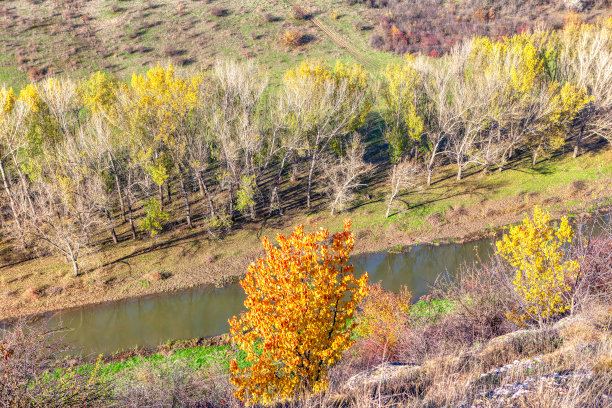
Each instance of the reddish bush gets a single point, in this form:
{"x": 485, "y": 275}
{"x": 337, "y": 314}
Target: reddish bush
{"x": 381, "y": 321}
{"x": 217, "y": 11}
{"x": 451, "y": 22}
{"x": 35, "y": 74}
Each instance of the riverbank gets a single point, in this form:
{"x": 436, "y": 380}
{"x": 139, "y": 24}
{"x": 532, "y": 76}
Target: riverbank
{"x": 181, "y": 259}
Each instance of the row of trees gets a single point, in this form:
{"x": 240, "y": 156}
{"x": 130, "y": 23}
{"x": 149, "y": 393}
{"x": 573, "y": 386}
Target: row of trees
{"x": 76, "y": 158}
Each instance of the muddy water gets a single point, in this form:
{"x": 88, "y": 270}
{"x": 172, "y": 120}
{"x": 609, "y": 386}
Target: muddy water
{"x": 204, "y": 312}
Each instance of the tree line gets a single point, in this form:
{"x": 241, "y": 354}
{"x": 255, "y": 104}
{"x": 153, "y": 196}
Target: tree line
{"x": 79, "y": 157}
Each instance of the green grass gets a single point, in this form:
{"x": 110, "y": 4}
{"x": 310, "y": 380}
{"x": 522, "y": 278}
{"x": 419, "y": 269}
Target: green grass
{"x": 430, "y": 311}
{"x": 10, "y": 76}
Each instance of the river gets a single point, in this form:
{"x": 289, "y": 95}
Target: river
{"x": 204, "y": 312}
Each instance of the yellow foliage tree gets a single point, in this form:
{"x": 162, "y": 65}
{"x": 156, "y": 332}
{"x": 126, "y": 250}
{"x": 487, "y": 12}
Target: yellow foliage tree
{"x": 98, "y": 93}
{"x": 402, "y": 95}
{"x": 301, "y": 298}
{"x": 542, "y": 277}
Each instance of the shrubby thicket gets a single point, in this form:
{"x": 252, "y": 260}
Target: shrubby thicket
{"x": 79, "y": 157}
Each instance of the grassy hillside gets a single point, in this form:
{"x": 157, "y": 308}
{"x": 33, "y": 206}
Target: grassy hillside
{"x": 58, "y": 37}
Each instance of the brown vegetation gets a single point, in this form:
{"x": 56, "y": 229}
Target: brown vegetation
{"x": 294, "y": 37}
{"x": 434, "y": 27}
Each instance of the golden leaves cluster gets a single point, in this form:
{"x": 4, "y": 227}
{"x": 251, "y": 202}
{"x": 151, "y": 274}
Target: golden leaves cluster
{"x": 542, "y": 275}
{"x": 301, "y": 299}
{"x": 165, "y": 99}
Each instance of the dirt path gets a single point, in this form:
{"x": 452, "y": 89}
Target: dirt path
{"x": 343, "y": 44}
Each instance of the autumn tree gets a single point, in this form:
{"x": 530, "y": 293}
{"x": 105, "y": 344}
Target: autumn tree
{"x": 323, "y": 104}
{"x": 543, "y": 275}
{"x": 301, "y": 299}
{"x": 403, "y": 96}
{"x": 164, "y": 102}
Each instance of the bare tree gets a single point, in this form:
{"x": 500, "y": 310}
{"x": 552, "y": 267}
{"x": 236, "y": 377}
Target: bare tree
{"x": 441, "y": 119}
{"x": 65, "y": 213}
{"x": 342, "y": 177}
{"x": 403, "y": 176}
{"x": 12, "y": 122}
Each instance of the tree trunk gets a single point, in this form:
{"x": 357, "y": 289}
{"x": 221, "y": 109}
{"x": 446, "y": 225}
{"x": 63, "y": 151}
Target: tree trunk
{"x": 231, "y": 201}
{"x": 459, "y": 171}
{"x": 131, "y": 218}
{"x": 75, "y": 267}
{"x": 535, "y": 158}
{"x": 7, "y": 188}
{"x": 186, "y": 198}
{"x": 128, "y": 202}
{"x": 311, "y": 165}
{"x": 161, "y": 197}
{"x": 389, "y": 205}
{"x": 578, "y": 140}
{"x": 333, "y": 206}
{"x": 274, "y": 196}
{"x": 168, "y": 191}
{"x": 111, "y": 225}
{"x": 294, "y": 169}
{"x": 392, "y": 196}
{"x": 206, "y": 194}
{"x": 430, "y": 165}
{"x": 252, "y": 212}
{"x": 275, "y": 193}
{"x": 73, "y": 259}
{"x": 118, "y": 184}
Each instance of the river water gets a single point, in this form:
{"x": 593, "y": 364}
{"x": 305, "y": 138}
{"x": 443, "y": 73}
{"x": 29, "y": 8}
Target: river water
{"x": 205, "y": 311}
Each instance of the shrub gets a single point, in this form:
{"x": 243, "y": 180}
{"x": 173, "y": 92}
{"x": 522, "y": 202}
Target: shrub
{"x": 217, "y": 11}
{"x": 154, "y": 216}
{"x": 166, "y": 384}
{"x": 541, "y": 275}
{"x": 383, "y": 317}
{"x": 293, "y": 37}
{"x": 270, "y": 18}
{"x": 299, "y": 13}
{"x": 27, "y": 356}
{"x": 301, "y": 298}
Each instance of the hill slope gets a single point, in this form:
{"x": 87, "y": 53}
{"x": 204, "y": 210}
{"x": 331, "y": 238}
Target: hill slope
{"x": 56, "y": 37}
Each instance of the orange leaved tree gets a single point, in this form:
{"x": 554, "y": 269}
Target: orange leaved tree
{"x": 301, "y": 299}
